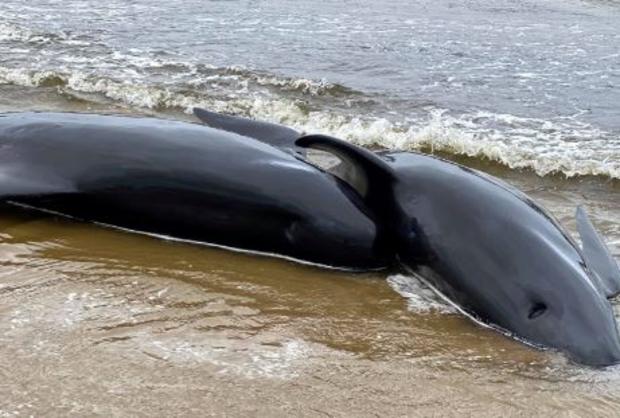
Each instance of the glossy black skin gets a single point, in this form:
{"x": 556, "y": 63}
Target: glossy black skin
{"x": 499, "y": 255}
{"x": 483, "y": 244}
{"x": 187, "y": 181}
{"x": 486, "y": 246}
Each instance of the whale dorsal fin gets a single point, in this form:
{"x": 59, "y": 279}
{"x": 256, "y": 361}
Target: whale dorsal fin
{"x": 597, "y": 256}
{"x": 366, "y": 172}
{"x": 18, "y": 180}
{"x": 270, "y": 133}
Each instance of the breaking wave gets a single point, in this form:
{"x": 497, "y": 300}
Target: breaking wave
{"x": 301, "y": 85}
{"x": 560, "y": 147}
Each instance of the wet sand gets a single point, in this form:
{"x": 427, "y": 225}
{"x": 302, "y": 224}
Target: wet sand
{"x": 101, "y": 322}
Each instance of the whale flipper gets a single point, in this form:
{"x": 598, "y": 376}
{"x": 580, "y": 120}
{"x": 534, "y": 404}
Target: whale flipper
{"x": 270, "y": 133}
{"x": 597, "y": 256}
{"x": 17, "y": 180}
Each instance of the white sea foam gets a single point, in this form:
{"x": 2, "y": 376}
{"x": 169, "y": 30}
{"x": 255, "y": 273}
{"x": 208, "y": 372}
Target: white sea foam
{"x": 546, "y": 147}
{"x": 420, "y": 298}
{"x": 248, "y": 359}
{"x": 545, "y": 151}
{"x": 303, "y": 85}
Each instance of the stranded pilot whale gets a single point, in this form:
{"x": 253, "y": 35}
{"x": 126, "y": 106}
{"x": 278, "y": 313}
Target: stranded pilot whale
{"x": 482, "y": 244}
{"x": 185, "y": 181}
{"x": 498, "y": 256}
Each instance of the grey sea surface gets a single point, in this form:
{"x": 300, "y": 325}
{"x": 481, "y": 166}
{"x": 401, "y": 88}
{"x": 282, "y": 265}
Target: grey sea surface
{"x": 100, "y": 322}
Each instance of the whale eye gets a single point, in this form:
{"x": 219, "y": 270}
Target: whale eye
{"x": 536, "y": 310}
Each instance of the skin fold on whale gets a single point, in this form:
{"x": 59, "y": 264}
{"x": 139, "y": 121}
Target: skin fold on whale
{"x": 486, "y": 247}
{"x": 185, "y": 181}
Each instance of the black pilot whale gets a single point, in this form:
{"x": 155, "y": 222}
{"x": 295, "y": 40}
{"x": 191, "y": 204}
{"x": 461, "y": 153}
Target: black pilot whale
{"x": 186, "y": 181}
{"x": 482, "y": 244}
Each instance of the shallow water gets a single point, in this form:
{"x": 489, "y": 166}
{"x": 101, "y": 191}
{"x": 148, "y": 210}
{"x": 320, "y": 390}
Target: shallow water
{"x": 97, "y": 322}
{"x": 105, "y": 322}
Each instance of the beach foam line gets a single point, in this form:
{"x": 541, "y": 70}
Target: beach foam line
{"x": 545, "y": 147}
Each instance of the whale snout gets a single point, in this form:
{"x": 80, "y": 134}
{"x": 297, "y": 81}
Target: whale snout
{"x": 584, "y": 328}
{"x": 597, "y": 358}
{"x": 603, "y": 351}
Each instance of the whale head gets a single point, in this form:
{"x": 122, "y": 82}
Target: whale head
{"x": 487, "y": 247}
{"x": 530, "y": 287}
{"x": 563, "y": 311}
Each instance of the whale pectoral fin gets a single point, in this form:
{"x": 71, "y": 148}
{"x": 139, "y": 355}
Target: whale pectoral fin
{"x": 19, "y": 181}
{"x": 366, "y": 172}
{"x": 597, "y": 256}
{"x": 270, "y": 133}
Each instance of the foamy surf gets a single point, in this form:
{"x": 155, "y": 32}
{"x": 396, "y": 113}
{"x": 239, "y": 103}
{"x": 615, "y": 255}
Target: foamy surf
{"x": 544, "y": 147}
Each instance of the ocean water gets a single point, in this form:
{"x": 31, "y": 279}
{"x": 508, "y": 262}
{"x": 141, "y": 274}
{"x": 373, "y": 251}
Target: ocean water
{"x": 526, "y": 90}
{"x": 531, "y": 84}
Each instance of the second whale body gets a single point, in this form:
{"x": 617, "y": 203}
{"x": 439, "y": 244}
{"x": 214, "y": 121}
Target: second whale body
{"x": 484, "y": 246}
{"x": 492, "y": 251}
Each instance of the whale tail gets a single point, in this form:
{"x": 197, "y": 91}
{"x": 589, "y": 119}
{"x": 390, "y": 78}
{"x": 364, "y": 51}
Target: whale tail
{"x": 597, "y": 256}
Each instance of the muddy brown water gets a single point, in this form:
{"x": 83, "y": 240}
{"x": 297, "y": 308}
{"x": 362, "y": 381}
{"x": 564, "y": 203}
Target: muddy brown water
{"x": 99, "y": 322}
